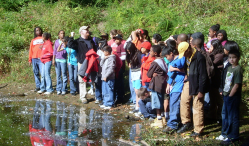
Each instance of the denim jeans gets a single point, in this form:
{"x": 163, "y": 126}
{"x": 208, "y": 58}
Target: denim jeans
{"x": 98, "y": 90}
{"x": 108, "y": 92}
{"x": 206, "y": 103}
{"x": 133, "y": 93}
{"x": 107, "y": 125}
{"x": 61, "y": 70}
{"x": 230, "y": 117}
{"x": 37, "y": 67}
{"x": 41, "y": 119}
{"x": 61, "y": 118}
{"x": 46, "y": 82}
{"x": 157, "y": 100}
{"x": 146, "y": 110}
{"x": 174, "y": 108}
{"x": 119, "y": 87}
{"x": 73, "y": 77}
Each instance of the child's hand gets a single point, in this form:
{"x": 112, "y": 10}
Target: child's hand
{"x": 106, "y": 57}
{"x": 168, "y": 89}
{"x": 200, "y": 95}
{"x": 129, "y": 65}
{"x": 171, "y": 69}
{"x": 154, "y": 74}
{"x": 104, "y": 79}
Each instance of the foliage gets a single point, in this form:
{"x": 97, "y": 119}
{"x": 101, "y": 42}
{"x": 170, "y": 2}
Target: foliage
{"x": 166, "y": 17}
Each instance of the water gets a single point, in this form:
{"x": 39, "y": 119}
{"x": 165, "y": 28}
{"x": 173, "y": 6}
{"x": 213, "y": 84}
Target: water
{"x": 44, "y": 122}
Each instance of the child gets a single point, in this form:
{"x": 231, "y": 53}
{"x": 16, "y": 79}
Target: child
{"x": 135, "y": 66}
{"x": 46, "y": 60}
{"x": 98, "y": 85}
{"x": 232, "y": 97}
{"x": 158, "y": 83}
{"x": 34, "y": 56}
{"x": 72, "y": 66}
{"x": 60, "y": 62}
{"x": 121, "y": 53}
{"x": 108, "y": 65}
{"x": 212, "y": 33}
{"x": 216, "y": 55}
{"x": 181, "y": 38}
{"x": 146, "y": 62}
{"x": 222, "y": 37}
{"x": 145, "y": 104}
{"x": 175, "y": 82}
{"x": 156, "y": 38}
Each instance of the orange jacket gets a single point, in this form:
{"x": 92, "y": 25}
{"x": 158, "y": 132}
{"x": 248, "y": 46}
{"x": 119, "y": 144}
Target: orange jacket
{"x": 145, "y": 67}
{"x": 34, "y": 50}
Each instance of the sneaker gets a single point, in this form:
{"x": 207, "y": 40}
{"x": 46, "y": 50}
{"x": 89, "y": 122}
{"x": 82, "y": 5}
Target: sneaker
{"x": 93, "y": 93}
{"x": 220, "y": 138}
{"x": 102, "y": 106}
{"x": 185, "y": 127}
{"x": 37, "y": 89}
{"x": 138, "y": 114}
{"x": 40, "y": 91}
{"x": 134, "y": 111}
{"x": 107, "y": 107}
{"x": 229, "y": 142}
{"x": 90, "y": 91}
{"x": 151, "y": 119}
{"x": 73, "y": 94}
{"x": 48, "y": 93}
{"x": 97, "y": 102}
{"x": 169, "y": 130}
{"x": 84, "y": 101}
{"x": 63, "y": 93}
{"x": 157, "y": 123}
{"x": 194, "y": 134}
{"x": 58, "y": 92}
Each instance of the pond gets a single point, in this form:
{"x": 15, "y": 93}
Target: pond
{"x": 40, "y": 122}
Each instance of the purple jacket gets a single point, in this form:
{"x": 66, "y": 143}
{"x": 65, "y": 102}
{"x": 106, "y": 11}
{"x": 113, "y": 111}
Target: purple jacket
{"x": 61, "y": 54}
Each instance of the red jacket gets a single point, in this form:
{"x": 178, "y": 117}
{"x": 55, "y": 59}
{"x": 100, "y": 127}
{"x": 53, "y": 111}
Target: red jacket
{"x": 145, "y": 67}
{"x": 119, "y": 64}
{"x": 89, "y": 65}
{"x": 40, "y": 137}
{"x": 47, "y": 52}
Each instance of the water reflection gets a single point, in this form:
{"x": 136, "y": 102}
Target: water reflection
{"x": 58, "y": 124}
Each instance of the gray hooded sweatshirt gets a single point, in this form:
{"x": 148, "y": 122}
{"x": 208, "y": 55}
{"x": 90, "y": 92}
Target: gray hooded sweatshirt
{"x": 108, "y": 67}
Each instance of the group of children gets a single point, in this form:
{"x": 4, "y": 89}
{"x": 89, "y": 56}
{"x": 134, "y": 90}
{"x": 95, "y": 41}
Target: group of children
{"x": 172, "y": 82}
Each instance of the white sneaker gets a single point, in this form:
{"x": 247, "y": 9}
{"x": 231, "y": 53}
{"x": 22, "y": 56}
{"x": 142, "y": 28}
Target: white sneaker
{"x": 138, "y": 114}
{"x": 102, "y": 106}
{"x": 97, "y": 102}
{"x": 63, "y": 93}
{"x": 90, "y": 91}
{"x": 93, "y": 93}
{"x": 47, "y": 93}
{"x": 58, "y": 92}
{"x": 107, "y": 107}
{"x": 220, "y": 138}
{"x": 40, "y": 91}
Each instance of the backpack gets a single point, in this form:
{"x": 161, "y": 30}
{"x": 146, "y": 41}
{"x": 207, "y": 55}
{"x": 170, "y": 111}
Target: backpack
{"x": 209, "y": 64}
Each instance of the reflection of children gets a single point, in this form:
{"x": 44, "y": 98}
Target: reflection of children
{"x": 145, "y": 104}
{"x": 40, "y": 129}
{"x": 232, "y": 98}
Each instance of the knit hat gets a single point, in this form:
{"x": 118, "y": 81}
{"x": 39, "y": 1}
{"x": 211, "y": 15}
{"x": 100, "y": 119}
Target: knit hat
{"x": 146, "y": 45}
{"x": 182, "y": 47}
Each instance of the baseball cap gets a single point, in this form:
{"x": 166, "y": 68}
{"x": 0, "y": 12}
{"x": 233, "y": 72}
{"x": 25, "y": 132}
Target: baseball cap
{"x": 146, "y": 45}
{"x": 118, "y": 36}
{"x": 83, "y": 28}
{"x": 182, "y": 47}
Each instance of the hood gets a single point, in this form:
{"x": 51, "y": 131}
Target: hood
{"x": 91, "y": 52}
{"x": 113, "y": 56}
{"x": 48, "y": 42}
{"x": 162, "y": 64}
